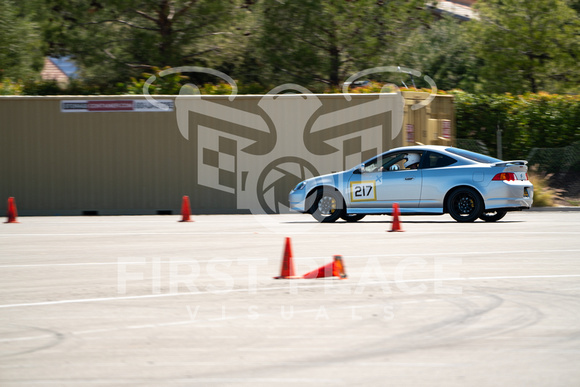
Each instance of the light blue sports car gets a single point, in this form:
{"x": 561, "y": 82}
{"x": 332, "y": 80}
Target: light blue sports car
{"x": 422, "y": 180}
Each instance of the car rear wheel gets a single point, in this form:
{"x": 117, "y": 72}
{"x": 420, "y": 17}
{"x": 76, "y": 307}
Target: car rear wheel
{"x": 352, "y": 217}
{"x": 328, "y": 206}
{"x": 492, "y": 216}
{"x": 464, "y": 205}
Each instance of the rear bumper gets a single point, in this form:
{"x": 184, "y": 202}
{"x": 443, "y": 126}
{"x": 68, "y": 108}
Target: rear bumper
{"x": 510, "y": 196}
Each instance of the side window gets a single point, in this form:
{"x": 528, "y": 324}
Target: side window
{"x": 384, "y": 163}
{"x": 437, "y": 160}
{"x": 391, "y": 163}
{"x": 397, "y": 161}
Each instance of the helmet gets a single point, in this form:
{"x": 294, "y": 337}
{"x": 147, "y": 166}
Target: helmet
{"x": 412, "y": 158}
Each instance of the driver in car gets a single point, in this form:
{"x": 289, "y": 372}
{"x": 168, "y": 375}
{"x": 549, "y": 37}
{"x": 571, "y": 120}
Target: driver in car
{"x": 412, "y": 161}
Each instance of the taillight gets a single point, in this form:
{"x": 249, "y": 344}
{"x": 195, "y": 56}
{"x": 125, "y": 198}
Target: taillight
{"x": 527, "y": 178}
{"x": 505, "y": 176}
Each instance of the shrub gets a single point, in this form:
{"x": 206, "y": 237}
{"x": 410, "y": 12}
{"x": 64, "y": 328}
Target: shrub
{"x": 544, "y": 195}
{"x": 527, "y": 121}
{"x": 9, "y": 87}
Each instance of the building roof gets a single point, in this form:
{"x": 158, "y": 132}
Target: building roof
{"x": 66, "y": 65}
{"x": 59, "y": 69}
{"x": 460, "y": 9}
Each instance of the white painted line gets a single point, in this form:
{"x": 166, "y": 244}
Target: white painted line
{"x": 503, "y": 253}
{"x": 127, "y": 263}
{"x": 269, "y": 381}
{"x": 249, "y": 259}
{"x": 88, "y": 331}
{"x": 197, "y": 322}
{"x": 394, "y": 364}
{"x": 221, "y": 319}
{"x": 26, "y": 338}
{"x": 298, "y": 286}
{"x": 285, "y": 231}
{"x": 168, "y": 324}
{"x": 109, "y": 234}
{"x": 141, "y": 326}
{"x": 281, "y": 349}
{"x": 224, "y": 337}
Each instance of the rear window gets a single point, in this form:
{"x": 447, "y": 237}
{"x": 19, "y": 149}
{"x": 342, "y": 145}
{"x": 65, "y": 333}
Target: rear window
{"x": 437, "y": 160}
{"x": 477, "y": 157}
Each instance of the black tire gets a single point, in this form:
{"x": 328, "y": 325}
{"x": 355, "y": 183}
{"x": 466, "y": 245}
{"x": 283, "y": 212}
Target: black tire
{"x": 465, "y": 205}
{"x": 352, "y": 217}
{"x": 492, "y": 216}
{"x": 328, "y": 206}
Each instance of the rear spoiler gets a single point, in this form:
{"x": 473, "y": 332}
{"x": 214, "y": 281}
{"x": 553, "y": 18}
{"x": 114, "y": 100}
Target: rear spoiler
{"x": 515, "y": 162}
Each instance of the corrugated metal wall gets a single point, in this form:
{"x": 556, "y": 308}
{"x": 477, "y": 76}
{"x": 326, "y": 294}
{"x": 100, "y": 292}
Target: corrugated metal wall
{"x": 66, "y": 163}
{"x": 59, "y": 163}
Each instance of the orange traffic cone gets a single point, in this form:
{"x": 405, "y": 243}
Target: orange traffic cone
{"x": 287, "y": 263}
{"x": 333, "y": 269}
{"x": 12, "y": 214}
{"x": 396, "y": 222}
{"x": 185, "y": 210}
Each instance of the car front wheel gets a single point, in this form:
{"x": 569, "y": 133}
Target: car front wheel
{"x": 492, "y": 216}
{"x": 465, "y": 205}
{"x": 328, "y": 206}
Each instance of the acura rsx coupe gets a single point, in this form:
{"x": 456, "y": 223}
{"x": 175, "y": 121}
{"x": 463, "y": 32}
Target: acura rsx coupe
{"x": 422, "y": 180}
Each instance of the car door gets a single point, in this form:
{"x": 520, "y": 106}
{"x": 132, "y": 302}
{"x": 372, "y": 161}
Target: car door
{"x": 383, "y": 182}
{"x": 402, "y": 187}
{"x": 438, "y": 175}
{"x": 362, "y": 190}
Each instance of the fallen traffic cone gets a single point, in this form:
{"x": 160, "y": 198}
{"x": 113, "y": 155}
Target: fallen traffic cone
{"x": 333, "y": 269}
{"x": 287, "y": 263}
{"x": 185, "y": 210}
{"x": 396, "y": 222}
{"x": 11, "y": 214}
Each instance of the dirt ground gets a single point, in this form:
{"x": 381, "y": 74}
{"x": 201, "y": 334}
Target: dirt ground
{"x": 567, "y": 185}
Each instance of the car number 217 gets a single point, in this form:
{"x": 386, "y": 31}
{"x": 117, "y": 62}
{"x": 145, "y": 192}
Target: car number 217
{"x": 364, "y": 190}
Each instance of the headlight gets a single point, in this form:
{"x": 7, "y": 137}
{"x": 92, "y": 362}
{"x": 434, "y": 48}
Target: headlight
{"x": 300, "y": 186}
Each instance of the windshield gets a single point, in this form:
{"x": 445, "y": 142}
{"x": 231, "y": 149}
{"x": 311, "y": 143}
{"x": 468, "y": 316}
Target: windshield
{"x": 477, "y": 157}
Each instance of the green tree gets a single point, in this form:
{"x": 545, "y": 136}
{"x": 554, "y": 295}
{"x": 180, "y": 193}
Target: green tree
{"x": 313, "y": 42}
{"x": 20, "y": 54}
{"x": 115, "y": 39}
{"x": 574, "y": 4}
{"x": 527, "y": 45}
{"x": 441, "y": 50}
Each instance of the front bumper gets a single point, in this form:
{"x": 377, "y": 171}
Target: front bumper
{"x": 297, "y": 200}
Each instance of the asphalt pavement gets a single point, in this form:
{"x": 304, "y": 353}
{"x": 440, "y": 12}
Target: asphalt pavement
{"x": 150, "y": 301}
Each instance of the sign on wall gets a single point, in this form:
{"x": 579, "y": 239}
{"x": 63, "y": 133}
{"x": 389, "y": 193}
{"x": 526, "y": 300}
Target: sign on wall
{"x": 446, "y": 129}
{"x": 410, "y": 130}
{"x": 120, "y": 105}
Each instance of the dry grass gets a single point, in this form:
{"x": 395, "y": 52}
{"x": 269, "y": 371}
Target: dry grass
{"x": 544, "y": 195}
